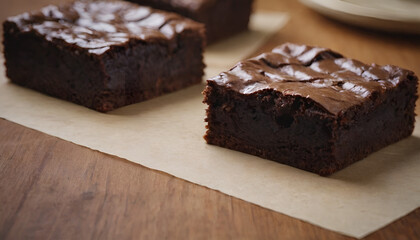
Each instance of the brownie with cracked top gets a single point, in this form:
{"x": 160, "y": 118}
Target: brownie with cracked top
{"x": 222, "y": 18}
{"x": 310, "y": 107}
{"x": 103, "y": 54}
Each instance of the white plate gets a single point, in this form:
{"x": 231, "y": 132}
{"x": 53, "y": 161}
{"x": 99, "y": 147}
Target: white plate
{"x": 389, "y": 15}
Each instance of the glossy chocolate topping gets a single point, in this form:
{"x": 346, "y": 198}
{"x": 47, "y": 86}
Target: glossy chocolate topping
{"x": 334, "y": 82}
{"x": 98, "y": 25}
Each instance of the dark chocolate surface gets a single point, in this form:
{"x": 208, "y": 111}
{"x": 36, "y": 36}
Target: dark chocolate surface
{"x": 98, "y": 25}
{"x": 193, "y": 5}
{"x": 310, "y": 108}
{"x": 334, "y": 82}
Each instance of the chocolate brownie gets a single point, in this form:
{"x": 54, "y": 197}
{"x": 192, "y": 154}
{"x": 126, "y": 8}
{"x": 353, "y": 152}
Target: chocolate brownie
{"x": 103, "y": 55}
{"x": 222, "y": 18}
{"x": 310, "y": 108}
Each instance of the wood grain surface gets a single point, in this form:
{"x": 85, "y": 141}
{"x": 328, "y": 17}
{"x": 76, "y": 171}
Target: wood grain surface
{"x": 53, "y": 189}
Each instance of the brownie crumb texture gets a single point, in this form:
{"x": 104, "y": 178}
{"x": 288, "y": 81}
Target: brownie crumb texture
{"x": 103, "y": 54}
{"x": 310, "y": 107}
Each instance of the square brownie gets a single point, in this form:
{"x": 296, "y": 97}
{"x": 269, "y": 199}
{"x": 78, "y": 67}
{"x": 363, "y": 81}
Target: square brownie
{"x": 310, "y": 107}
{"x": 103, "y": 55}
{"x": 222, "y": 18}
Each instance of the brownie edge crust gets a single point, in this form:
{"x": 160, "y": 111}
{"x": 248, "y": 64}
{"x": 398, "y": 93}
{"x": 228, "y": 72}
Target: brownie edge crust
{"x": 309, "y": 107}
{"x": 103, "y": 54}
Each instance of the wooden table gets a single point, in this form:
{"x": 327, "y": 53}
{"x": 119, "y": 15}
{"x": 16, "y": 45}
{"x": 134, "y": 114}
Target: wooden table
{"x": 53, "y": 189}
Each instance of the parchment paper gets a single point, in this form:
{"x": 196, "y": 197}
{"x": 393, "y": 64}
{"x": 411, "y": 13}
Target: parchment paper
{"x": 166, "y": 134}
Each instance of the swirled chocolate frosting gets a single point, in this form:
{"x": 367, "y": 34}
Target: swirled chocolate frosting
{"x": 334, "y": 82}
{"x": 98, "y": 25}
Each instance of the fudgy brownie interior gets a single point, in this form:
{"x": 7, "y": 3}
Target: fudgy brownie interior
{"x": 310, "y": 107}
{"x": 103, "y": 55}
